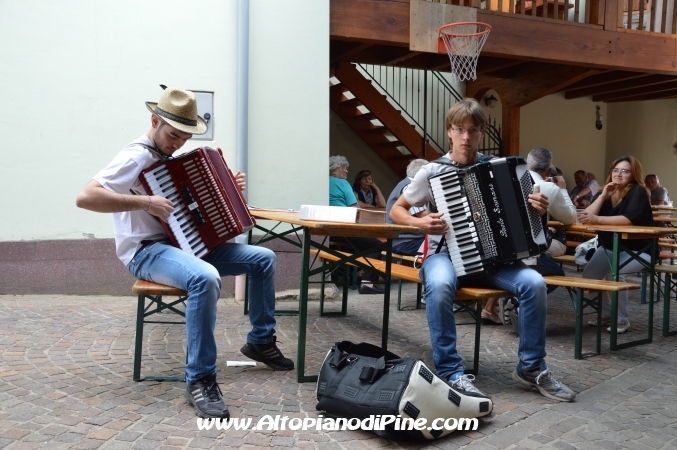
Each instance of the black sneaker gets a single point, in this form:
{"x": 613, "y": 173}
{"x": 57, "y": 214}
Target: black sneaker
{"x": 268, "y": 354}
{"x": 206, "y": 397}
{"x": 370, "y": 289}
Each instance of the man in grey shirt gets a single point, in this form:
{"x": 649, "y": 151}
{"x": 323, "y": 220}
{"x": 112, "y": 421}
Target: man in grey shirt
{"x": 407, "y": 243}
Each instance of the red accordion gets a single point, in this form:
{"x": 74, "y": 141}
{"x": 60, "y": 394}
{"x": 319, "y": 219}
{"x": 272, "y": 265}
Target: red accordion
{"x": 209, "y": 208}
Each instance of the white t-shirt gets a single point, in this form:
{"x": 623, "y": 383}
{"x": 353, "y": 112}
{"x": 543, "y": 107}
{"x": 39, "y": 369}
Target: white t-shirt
{"x": 560, "y": 206}
{"x": 122, "y": 176}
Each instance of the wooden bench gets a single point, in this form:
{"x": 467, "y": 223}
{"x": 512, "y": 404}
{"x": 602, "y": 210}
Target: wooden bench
{"x": 577, "y": 288}
{"x": 468, "y": 299}
{"x": 566, "y": 259}
{"x": 153, "y": 292}
{"x": 580, "y": 235}
{"x": 409, "y": 261}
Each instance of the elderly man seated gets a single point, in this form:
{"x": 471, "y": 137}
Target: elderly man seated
{"x": 585, "y": 189}
{"x": 659, "y": 195}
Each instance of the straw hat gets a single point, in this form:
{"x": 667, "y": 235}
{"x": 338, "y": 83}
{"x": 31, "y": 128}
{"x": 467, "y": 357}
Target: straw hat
{"x": 179, "y": 109}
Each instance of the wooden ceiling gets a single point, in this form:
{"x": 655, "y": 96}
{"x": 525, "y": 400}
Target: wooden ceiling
{"x": 603, "y": 85}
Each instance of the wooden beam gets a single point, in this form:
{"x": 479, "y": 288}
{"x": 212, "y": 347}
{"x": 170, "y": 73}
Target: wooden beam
{"x": 382, "y": 22}
{"x": 487, "y": 65}
{"x": 619, "y": 86}
{"x": 607, "y": 76}
{"x": 656, "y": 96}
{"x": 346, "y": 55}
{"x": 518, "y": 36}
{"x": 406, "y": 56}
{"x": 579, "y": 44}
{"x": 380, "y": 54}
{"x": 629, "y": 93}
{"x": 530, "y": 86}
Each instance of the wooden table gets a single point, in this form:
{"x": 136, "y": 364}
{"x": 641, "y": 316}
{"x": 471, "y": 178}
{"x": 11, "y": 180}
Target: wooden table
{"x": 628, "y": 232}
{"x": 306, "y": 243}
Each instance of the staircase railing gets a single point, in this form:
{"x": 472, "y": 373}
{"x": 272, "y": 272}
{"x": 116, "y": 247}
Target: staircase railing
{"x": 424, "y": 97}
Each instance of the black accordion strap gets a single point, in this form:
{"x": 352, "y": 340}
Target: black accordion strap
{"x": 151, "y": 149}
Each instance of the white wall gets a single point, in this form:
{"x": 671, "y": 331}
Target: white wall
{"x": 648, "y": 131}
{"x": 567, "y": 129}
{"x": 75, "y": 76}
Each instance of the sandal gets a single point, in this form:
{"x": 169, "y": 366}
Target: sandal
{"x": 489, "y": 318}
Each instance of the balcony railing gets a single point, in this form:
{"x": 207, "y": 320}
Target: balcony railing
{"x": 656, "y": 16}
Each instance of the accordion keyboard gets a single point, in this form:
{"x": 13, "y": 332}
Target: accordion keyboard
{"x": 461, "y": 238}
{"x": 179, "y": 221}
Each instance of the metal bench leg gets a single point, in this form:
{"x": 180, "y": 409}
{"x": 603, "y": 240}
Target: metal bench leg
{"x": 668, "y": 287}
{"x": 138, "y": 344}
{"x": 642, "y": 294}
{"x": 156, "y": 301}
{"x": 324, "y": 274}
{"x": 399, "y": 295}
{"x": 419, "y": 295}
{"x": 476, "y": 314}
{"x": 344, "y": 300}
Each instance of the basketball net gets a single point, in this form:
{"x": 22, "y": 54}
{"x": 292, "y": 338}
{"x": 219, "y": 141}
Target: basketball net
{"x": 464, "y": 41}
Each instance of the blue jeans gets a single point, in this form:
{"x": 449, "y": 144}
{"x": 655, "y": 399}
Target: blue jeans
{"x": 546, "y": 266}
{"x": 408, "y": 247}
{"x": 440, "y": 281}
{"x": 162, "y": 263}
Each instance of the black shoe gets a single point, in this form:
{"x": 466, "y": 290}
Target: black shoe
{"x": 268, "y": 354}
{"x": 370, "y": 289}
{"x": 205, "y": 396}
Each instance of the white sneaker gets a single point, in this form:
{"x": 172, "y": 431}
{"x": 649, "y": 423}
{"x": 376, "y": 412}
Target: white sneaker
{"x": 605, "y": 322}
{"x": 620, "y": 328}
{"x": 465, "y": 383}
{"x": 505, "y": 304}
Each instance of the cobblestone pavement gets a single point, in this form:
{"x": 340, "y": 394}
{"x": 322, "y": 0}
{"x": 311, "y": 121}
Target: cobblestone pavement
{"x": 66, "y": 380}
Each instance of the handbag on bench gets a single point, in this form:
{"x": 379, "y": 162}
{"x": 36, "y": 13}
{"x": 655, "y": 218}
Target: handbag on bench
{"x": 363, "y": 380}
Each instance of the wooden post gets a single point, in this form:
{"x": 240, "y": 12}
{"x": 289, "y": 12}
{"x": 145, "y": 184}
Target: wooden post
{"x": 511, "y": 130}
{"x": 611, "y": 14}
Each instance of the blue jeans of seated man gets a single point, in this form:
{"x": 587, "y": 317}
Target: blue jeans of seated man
{"x": 546, "y": 266}
{"x": 440, "y": 281}
{"x": 165, "y": 264}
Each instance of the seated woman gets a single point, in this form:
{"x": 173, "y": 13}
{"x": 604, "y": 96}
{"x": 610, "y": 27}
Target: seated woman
{"x": 367, "y": 193}
{"x": 341, "y": 194}
{"x": 623, "y": 201}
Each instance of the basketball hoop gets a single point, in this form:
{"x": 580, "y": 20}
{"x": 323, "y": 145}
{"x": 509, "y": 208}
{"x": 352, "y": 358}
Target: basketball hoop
{"x": 464, "y": 41}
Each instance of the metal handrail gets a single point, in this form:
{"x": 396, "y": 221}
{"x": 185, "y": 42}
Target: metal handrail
{"x": 424, "y": 97}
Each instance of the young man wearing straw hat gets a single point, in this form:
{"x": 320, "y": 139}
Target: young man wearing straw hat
{"x": 143, "y": 246}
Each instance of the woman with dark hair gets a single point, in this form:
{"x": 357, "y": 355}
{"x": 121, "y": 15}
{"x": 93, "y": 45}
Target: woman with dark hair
{"x": 367, "y": 193}
{"x": 624, "y": 201}
{"x": 340, "y": 194}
